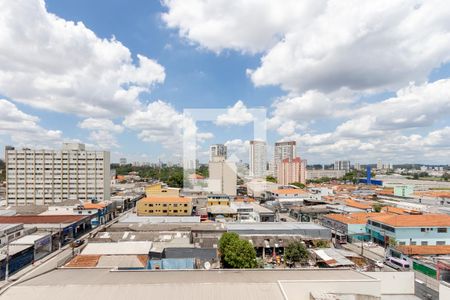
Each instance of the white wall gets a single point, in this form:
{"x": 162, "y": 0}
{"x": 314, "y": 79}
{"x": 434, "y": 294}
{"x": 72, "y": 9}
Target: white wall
{"x": 444, "y": 291}
{"x": 395, "y": 283}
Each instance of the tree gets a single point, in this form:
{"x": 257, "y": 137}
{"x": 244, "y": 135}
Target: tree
{"x": 299, "y": 184}
{"x": 271, "y": 179}
{"x": 296, "y": 252}
{"x": 446, "y": 176}
{"x": 377, "y": 207}
{"x": 322, "y": 244}
{"x": 236, "y": 253}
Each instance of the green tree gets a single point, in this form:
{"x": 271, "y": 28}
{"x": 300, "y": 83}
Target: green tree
{"x": 446, "y": 176}
{"x": 236, "y": 253}
{"x": 271, "y": 179}
{"x": 377, "y": 207}
{"x": 296, "y": 252}
{"x": 322, "y": 244}
{"x": 299, "y": 184}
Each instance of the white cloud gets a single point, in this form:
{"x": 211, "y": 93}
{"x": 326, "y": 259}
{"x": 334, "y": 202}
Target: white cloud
{"x": 23, "y": 129}
{"x": 50, "y": 63}
{"x": 323, "y": 45}
{"x": 160, "y": 122}
{"x": 102, "y": 132}
{"x": 238, "y": 114}
{"x": 249, "y": 26}
{"x": 100, "y": 124}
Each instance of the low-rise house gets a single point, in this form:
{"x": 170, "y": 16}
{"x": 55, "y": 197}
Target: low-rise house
{"x": 426, "y": 229}
{"x": 348, "y": 227}
{"x": 218, "y": 199}
{"x": 164, "y": 206}
{"x": 161, "y": 190}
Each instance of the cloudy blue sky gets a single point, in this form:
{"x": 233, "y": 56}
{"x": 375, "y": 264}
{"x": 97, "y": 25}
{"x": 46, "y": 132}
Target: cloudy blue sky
{"x": 358, "y": 80}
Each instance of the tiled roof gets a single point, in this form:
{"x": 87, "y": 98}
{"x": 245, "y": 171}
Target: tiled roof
{"x": 166, "y": 199}
{"x": 356, "y": 204}
{"x": 289, "y": 191}
{"x": 355, "y": 218}
{"x": 41, "y": 219}
{"x": 88, "y": 205}
{"x": 424, "y": 250}
{"x": 430, "y": 220}
{"x": 399, "y": 211}
{"x": 84, "y": 261}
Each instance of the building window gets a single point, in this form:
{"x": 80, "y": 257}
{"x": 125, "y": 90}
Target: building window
{"x": 185, "y": 211}
{"x": 422, "y": 229}
{"x": 165, "y": 211}
{"x": 151, "y": 210}
{"x": 185, "y": 205}
{"x": 413, "y": 243}
{"x": 441, "y": 243}
{"x": 442, "y": 230}
{"x": 401, "y": 243}
{"x": 164, "y": 204}
{"x": 424, "y": 243}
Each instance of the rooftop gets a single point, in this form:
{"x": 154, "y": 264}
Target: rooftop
{"x": 153, "y": 199}
{"x": 424, "y": 250}
{"x": 120, "y": 248}
{"x": 39, "y": 219}
{"x": 357, "y": 204}
{"x": 261, "y": 284}
{"x": 432, "y": 220}
{"x": 289, "y": 191}
{"x": 354, "y": 218}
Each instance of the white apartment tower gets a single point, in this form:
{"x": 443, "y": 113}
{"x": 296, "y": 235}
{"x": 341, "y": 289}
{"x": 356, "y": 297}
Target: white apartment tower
{"x": 257, "y": 158}
{"x": 217, "y": 150}
{"x": 282, "y": 151}
{"x": 342, "y": 165}
{"x": 42, "y": 177}
{"x": 222, "y": 176}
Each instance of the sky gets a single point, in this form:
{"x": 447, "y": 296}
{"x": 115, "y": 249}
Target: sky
{"x": 356, "y": 80}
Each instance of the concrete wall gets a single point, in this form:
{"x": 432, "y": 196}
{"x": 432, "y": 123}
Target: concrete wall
{"x": 395, "y": 283}
{"x": 444, "y": 291}
{"x": 302, "y": 289}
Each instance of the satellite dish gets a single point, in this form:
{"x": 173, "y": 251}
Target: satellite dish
{"x": 207, "y": 265}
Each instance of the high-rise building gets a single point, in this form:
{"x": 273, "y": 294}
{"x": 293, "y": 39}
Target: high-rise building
{"x": 257, "y": 159}
{"x": 342, "y": 165}
{"x": 222, "y": 176}
{"x": 123, "y": 161}
{"x": 379, "y": 164}
{"x": 217, "y": 150}
{"x": 51, "y": 176}
{"x": 357, "y": 166}
{"x": 291, "y": 170}
{"x": 283, "y": 150}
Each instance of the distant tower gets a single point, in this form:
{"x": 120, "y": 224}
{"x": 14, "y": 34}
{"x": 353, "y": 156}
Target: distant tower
{"x": 282, "y": 151}
{"x": 257, "y": 160}
{"x": 217, "y": 150}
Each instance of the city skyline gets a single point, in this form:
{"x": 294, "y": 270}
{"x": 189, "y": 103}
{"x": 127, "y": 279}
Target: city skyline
{"x": 375, "y": 87}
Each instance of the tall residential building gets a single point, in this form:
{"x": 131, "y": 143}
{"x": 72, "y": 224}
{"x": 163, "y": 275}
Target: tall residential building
{"x": 222, "y": 176}
{"x": 217, "y": 150}
{"x": 379, "y": 165}
{"x": 123, "y": 161}
{"x": 51, "y": 176}
{"x": 283, "y": 150}
{"x": 257, "y": 158}
{"x": 291, "y": 170}
{"x": 342, "y": 165}
{"x": 357, "y": 166}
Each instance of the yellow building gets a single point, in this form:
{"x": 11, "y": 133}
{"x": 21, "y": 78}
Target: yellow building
{"x": 164, "y": 206}
{"x": 160, "y": 190}
{"x": 218, "y": 200}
